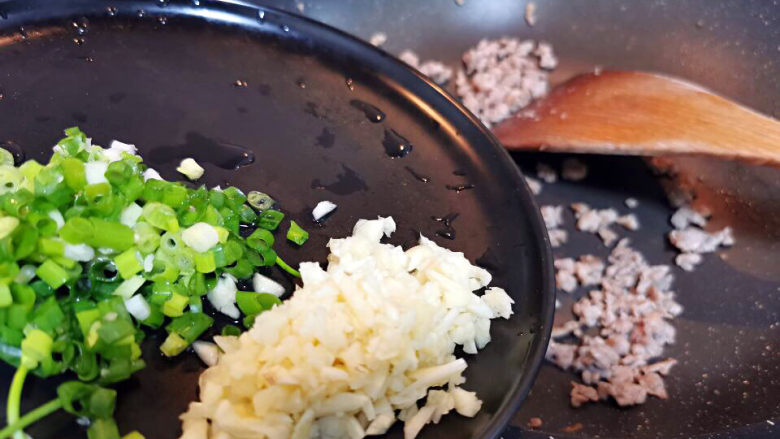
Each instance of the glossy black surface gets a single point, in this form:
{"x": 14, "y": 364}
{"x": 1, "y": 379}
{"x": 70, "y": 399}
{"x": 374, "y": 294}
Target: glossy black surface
{"x": 219, "y": 82}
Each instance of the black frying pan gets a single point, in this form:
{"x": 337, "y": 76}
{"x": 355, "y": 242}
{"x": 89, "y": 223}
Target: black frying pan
{"x": 215, "y": 81}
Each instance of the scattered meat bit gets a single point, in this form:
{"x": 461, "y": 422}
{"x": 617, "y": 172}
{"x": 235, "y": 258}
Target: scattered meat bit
{"x": 572, "y": 327}
{"x": 558, "y": 237}
{"x": 580, "y": 394}
{"x": 688, "y": 261}
{"x": 574, "y": 170}
{"x": 573, "y": 428}
{"x": 625, "y": 393}
{"x": 534, "y": 184}
{"x": 629, "y": 222}
{"x": 565, "y": 281}
{"x": 410, "y": 57}
{"x": 589, "y": 269}
{"x": 564, "y": 275}
{"x": 379, "y": 38}
{"x": 630, "y": 312}
{"x": 530, "y": 13}
{"x": 589, "y": 221}
{"x": 694, "y": 240}
{"x": 435, "y": 70}
{"x": 547, "y": 59}
{"x": 653, "y": 384}
{"x": 535, "y": 423}
{"x": 661, "y": 367}
{"x": 560, "y": 354}
{"x": 631, "y": 203}
{"x": 500, "y": 77}
{"x": 607, "y": 235}
{"x": 686, "y": 216}
{"x": 553, "y": 216}
{"x": 546, "y": 173}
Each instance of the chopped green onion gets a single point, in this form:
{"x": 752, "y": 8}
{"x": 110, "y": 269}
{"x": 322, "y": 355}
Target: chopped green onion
{"x": 51, "y": 273}
{"x": 173, "y": 345}
{"x": 259, "y": 200}
{"x": 7, "y": 225}
{"x": 269, "y": 219}
{"x": 161, "y": 216}
{"x": 174, "y": 306}
{"x": 103, "y": 428}
{"x": 296, "y": 234}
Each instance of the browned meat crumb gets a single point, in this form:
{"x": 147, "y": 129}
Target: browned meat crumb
{"x": 653, "y": 384}
{"x": 573, "y": 428}
{"x": 535, "y": 423}
{"x": 580, "y": 394}
{"x": 660, "y": 367}
{"x": 500, "y": 77}
{"x": 574, "y": 170}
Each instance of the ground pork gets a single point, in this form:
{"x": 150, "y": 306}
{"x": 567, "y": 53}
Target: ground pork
{"x": 500, "y": 77}
{"x": 630, "y": 312}
{"x": 437, "y": 71}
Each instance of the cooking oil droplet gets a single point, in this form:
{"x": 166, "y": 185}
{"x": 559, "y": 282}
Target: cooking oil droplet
{"x": 141, "y": 13}
{"x": 285, "y": 28}
{"x": 79, "y": 41}
{"x": 23, "y": 32}
{"x": 195, "y": 2}
{"x": 261, "y": 15}
{"x": 162, "y": 3}
{"x": 373, "y": 114}
{"x": 396, "y": 145}
{"x": 350, "y": 84}
{"x": 163, "y": 20}
{"x": 88, "y": 59}
{"x": 240, "y": 83}
{"x": 460, "y": 187}
{"x": 111, "y": 10}
{"x": 446, "y": 233}
{"x": 16, "y": 151}
{"x": 419, "y": 177}
{"x": 301, "y": 83}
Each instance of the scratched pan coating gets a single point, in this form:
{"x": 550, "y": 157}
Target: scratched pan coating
{"x": 230, "y": 83}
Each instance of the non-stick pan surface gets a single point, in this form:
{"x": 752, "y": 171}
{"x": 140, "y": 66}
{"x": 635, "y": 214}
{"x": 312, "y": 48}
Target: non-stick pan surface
{"x": 727, "y": 382}
{"x": 226, "y": 83}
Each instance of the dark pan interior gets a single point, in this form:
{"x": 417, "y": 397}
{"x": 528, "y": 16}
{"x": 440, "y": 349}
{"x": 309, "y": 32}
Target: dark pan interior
{"x": 216, "y": 81}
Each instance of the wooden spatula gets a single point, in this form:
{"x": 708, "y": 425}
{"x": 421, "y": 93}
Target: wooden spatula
{"x": 637, "y": 113}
